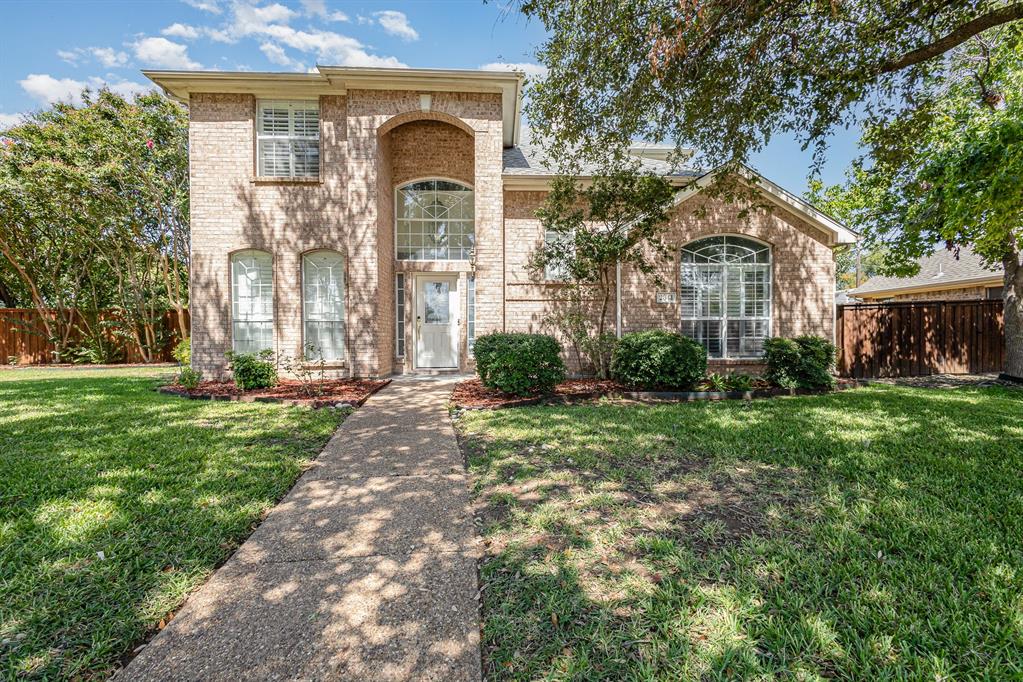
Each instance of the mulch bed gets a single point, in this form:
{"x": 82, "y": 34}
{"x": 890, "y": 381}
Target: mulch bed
{"x": 473, "y": 395}
{"x": 289, "y": 392}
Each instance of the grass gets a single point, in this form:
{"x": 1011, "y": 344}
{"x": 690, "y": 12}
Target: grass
{"x": 94, "y": 461}
{"x": 869, "y": 534}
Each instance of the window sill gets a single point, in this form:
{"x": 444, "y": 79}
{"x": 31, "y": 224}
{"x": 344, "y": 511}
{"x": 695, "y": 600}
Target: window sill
{"x": 724, "y": 362}
{"x": 265, "y": 180}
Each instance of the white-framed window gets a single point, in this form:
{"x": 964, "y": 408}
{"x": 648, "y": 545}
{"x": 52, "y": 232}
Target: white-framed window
{"x": 252, "y": 301}
{"x": 435, "y": 220}
{"x": 726, "y": 295}
{"x": 470, "y": 305}
{"x": 288, "y": 139}
{"x": 399, "y": 315}
{"x": 557, "y": 272}
{"x": 323, "y": 305}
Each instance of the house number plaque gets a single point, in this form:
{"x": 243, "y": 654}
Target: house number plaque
{"x": 665, "y": 297}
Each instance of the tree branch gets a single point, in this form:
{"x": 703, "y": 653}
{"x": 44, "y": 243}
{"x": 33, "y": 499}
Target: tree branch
{"x": 960, "y": 35}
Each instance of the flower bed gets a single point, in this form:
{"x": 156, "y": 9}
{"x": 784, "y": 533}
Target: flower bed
{"x": 473, "y": 395}
{"x": 330, "y": 392}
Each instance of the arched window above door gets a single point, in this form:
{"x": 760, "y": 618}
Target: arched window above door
{"x": 435, "y": 220}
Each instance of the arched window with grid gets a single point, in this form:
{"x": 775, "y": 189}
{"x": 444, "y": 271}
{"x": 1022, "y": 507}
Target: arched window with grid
{"x": 726, "y": 295}
{"x": 436, "y": 220}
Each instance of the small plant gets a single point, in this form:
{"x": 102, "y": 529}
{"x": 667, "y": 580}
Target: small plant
{"x": 739, "y": 382}
{"x": 658, "y": 359}
{"x": 310, "y": 370}
{"x": 714, "y": 382}
{"x": 12, "y": 360}
{"x": 189, "y": 378}
{"x": 520, "y": 364}
{"x": 183, "y": 351}
{"x": 253, "y": 370}
{"x": 802, "y": 362}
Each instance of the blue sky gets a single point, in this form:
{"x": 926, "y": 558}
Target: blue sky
{"x": 53, "y": 48}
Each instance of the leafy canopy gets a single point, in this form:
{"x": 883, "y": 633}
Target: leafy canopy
{"x": 726, "y": 75}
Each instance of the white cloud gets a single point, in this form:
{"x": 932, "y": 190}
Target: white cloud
{"x": 70, "y": 56}
{"x": 49, "y": 90}
{"x": 250, "y": 19}
{"x": 277, "y": 55}
{"x": 211, "y": 6}
{"x": 8, "y": 120}
{"x": 318, "y": 8}
{"x": 396, "y": 23}
{"x": 178, "y": 30}
{"x": 531, "y": 70}
{"x": 108, "y": 56}
{"x": 164, "y": 53}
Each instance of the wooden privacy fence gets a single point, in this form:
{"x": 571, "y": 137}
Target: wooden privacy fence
{"x": 919, "y": 338}
{"x": 22, "y": 338}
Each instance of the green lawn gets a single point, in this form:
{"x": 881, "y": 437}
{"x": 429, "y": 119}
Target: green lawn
{"x": 870, "y": 534}
{"x": 95, "y": 461}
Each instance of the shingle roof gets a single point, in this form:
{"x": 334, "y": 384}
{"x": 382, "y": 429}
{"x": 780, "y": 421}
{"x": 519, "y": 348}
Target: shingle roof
{"x": 940, "y": 268}
{"x": 527, "y": 159}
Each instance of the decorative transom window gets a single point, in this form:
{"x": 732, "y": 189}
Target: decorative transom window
{"x": 726, "y": 295}
{"x": 288, "y": 139}
{"x": 435, "y": 221}
{"x": 323, "y": 306}
{"x": 252, "y": 301}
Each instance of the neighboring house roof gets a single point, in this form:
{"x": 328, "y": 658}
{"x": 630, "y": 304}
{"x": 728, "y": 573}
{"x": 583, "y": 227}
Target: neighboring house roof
{"x": 843, "y": 298}
{"x": 940, "y": 270}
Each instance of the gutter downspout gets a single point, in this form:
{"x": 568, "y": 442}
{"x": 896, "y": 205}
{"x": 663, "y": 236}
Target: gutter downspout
{"x": 618, "y": 299}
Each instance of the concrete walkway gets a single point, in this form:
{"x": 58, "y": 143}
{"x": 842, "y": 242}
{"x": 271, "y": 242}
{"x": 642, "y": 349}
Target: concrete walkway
{"x": 365, "y": 571}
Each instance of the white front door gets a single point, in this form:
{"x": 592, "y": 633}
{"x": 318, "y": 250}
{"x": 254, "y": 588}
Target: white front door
{"x": 437, "y": 321}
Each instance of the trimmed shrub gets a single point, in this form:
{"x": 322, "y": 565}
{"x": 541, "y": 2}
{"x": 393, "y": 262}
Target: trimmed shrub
{"x": 183, "y": 351}
{"x": 802, "y": 362}
{"x": 189, "y": 378}
{"x": 658, "y": 359}
{"x": 252, "y": 370}
{"x": 520, "y": 364}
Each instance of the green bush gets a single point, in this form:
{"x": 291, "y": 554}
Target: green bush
{"x": 802, "y": 362}
{"x": 183, "y": 351}
{"x": 253, "y": 370}
{"x": 189, "y": 378}
{"x": 658, "y": 359}
{"x": 520, "y": 364}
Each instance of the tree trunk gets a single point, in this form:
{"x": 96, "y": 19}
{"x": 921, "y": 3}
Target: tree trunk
{"x": 1013, "y": 302}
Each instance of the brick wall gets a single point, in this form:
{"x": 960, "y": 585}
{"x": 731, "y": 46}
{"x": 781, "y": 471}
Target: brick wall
{"x": 371, "y": 140}
{"x": 803, "y": 270}
{"x": 961, "y": 294}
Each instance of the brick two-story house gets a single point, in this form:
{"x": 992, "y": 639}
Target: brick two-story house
{"x": 386, "y": 216}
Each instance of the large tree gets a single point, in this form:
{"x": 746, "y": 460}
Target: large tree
{"x": 930, "y": 81}
{"x": 93, "y": 214}
{"x": 962, "y": 182}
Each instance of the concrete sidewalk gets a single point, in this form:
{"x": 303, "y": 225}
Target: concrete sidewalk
{"x": 365, "y": 571}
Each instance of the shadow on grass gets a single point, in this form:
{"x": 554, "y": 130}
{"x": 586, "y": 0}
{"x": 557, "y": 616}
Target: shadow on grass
{"x": 164, "y": 488}
{"x": 868, "y": 534}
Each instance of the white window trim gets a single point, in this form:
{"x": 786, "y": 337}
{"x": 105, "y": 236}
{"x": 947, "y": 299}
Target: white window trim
{"x": 724, "y": 318}
{"x": 438, "y": 178}
{"x": 292, "y": 105}
{"x": 549, "y": 274}
{"x": 233, "y": 292}
{"x": 344, "y": 307}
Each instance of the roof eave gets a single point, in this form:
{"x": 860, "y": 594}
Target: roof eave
{"x": 992, "y": 279}
{"x": 332, "y": 80}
